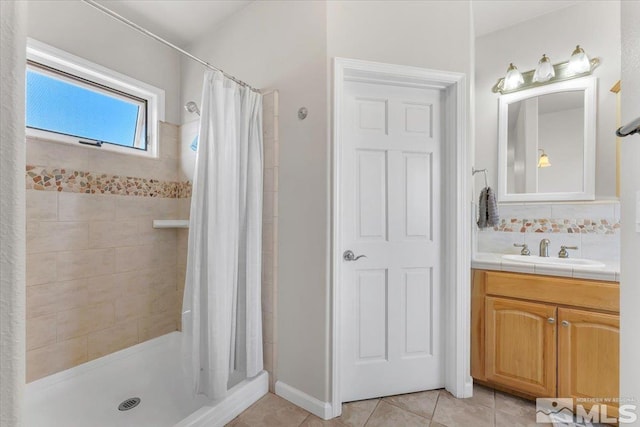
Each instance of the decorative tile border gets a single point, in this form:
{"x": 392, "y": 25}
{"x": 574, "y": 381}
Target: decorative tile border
{"x": 546, "y": 225}
{"x": 60, "y": 179}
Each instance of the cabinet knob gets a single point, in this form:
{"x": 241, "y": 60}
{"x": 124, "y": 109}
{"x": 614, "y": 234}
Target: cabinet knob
{"x": 551, "y": 320}
{"x": 565, "y": 323}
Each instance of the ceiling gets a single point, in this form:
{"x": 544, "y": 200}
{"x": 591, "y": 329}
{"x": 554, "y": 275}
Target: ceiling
{"x": 185, "y": 21}
{"x": 494, "y": 15}
{"x": 181, "y": 22}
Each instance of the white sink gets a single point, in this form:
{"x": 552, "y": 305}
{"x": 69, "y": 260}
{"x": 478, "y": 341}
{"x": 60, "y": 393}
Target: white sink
{"x": 568, "y": 262}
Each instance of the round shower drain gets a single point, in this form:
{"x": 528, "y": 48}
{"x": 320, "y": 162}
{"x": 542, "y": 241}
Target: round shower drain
{"x": 129, "y": 404}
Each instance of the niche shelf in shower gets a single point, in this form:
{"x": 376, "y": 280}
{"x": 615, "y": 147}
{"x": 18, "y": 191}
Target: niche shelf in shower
{"x": 170, "y": 223}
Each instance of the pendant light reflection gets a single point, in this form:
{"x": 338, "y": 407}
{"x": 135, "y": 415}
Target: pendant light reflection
{"x": 543, "y": 161}
{"x": 544, "y": 71}
{"x": 513, "y": 79}
{"x": 579, "y": 61}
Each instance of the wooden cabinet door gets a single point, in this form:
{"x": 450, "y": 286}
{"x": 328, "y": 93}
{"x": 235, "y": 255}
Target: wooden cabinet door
{"x": 588, "y": 355}
{"x": 521, "y": 345}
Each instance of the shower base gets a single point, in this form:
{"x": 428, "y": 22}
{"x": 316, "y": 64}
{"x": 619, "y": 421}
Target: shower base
{"x": 90, "y": 394}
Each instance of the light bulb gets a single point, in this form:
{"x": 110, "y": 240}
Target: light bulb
{"x": 513, "y": 79}
{"x": 543, "y": 161}
{"x": 544, "y": 71}
{"x": 579, "y": 61}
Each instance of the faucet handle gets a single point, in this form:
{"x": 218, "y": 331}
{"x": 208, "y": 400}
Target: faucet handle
{"x": 563, "y": 251}
{"x": 525, "y": 248}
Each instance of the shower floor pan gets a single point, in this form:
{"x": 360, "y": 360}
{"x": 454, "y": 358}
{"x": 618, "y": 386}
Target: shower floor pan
{"x": 90, "y": 394}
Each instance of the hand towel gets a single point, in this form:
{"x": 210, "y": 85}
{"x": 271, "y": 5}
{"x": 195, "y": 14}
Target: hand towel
{"x": 488, "y": 209}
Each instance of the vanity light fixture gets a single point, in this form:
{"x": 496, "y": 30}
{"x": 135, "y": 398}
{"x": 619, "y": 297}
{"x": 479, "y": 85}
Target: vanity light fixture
{"x": 543, "y": 162}
{"x": 544, "y": 71}
{"x": 513, "y": 79}
{"x": 579, "y": 62}
{"x": 579, "y": 65}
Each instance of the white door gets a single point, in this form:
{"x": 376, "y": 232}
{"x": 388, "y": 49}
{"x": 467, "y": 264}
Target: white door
{"x": 392, "y": 339}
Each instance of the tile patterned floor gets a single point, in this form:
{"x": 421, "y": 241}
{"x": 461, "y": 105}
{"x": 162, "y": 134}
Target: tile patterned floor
{"x": 436, "y": 408}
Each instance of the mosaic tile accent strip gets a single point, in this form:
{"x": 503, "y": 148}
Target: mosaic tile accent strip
{"x": 61, "y": 179}
{"x": 546, "y": 225}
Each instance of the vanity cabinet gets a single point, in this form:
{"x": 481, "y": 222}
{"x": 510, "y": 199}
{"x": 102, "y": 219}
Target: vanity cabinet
{"x": 521, "y": 345}
{"x": 588, "y": 354}
{"x": 542, "y": 336}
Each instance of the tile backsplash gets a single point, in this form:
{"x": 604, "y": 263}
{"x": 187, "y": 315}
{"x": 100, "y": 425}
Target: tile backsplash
{"x": 594, "y": 227}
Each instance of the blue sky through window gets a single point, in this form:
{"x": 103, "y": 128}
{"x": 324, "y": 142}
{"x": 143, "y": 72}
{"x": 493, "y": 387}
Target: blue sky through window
{"x": 58, "y": 106}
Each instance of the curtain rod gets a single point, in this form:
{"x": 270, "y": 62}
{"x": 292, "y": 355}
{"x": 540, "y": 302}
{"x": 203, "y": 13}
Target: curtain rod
{"x": 154, "y": 36}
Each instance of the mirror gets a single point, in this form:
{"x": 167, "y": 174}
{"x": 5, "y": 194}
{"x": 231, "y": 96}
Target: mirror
{"x": 547, "y": 143}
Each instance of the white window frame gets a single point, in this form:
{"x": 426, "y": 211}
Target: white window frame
{"x": 57, "y": 59}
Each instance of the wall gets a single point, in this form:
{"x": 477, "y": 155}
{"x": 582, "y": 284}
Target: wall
{"x": 264, "y": 45}
{"x": 595, "y": 25}
{"x": 83, "y": 31}
{"x": 630, "y": 196}
{"x": 99, "y": 277}
{"x": 12, "y": 199}
{"x": 428, "y": 34}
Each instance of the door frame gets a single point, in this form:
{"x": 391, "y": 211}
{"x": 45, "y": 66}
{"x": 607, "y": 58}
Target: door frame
{"x": 456, "y": 235}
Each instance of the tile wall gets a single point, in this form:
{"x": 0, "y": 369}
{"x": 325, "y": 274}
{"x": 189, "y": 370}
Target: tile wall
{"x": 592, "y": 226}
{"x": 99, "y": 277}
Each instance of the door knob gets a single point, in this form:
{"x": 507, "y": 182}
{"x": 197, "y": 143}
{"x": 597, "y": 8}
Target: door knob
{"x": 551, "y": 320}
{"x": 348, "y": 255}
{"x": 565, "y": 323}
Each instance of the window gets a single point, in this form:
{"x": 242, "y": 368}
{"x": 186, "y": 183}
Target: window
{"x": 71, "y": 100}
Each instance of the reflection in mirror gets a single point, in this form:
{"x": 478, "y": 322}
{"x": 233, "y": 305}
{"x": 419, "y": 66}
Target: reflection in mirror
{"x": 551, "y": 125}
{"x": 547, "y": 142}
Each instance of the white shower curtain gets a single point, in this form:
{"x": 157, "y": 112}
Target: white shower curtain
{"x": 221, "y": 317}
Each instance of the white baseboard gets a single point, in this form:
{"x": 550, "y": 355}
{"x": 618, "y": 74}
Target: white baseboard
{"x": 316, "y": 407}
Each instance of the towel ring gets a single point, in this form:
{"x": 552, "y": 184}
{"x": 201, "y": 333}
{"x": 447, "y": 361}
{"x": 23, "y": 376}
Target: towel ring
{"x": 484, "y": 171}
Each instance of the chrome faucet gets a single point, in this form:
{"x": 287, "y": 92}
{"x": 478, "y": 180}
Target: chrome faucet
{"x": 544, "y": 248}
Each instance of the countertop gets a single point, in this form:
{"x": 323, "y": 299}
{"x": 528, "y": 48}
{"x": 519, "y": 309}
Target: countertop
{"x": 492, "y": 261}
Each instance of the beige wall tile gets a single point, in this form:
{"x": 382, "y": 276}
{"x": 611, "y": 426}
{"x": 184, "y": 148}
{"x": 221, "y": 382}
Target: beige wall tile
{"x": 85, "y": 263}
{"x": 56, "y": 357}
{"x": 56, "y": 236}
{"x": 42, "y": 205}
{"x": 166, "y": 302}
{"x": 147, "y": 256}
{"x": 41, "y": 331}
{"x": 184, "y": 207}
{"x": 181, "y": 275}
{"x": 169, "y": 140}
{"x": 102, "y": 289}
{"x": 147, "y": 235}
{"x": 85, "y": 207}
{"x": 131, "y": 283}
{"x": 81, "y": 321}
{"x": 56, "y": 154}
{"x": 41, "y": 268}
{"x": 119, "y": 336}
{"x": 267, "y": 327}
{"x": 129, "y": 207}
{"x": 268, "y": 180}
{"x": 53, "y": 297}
{"x": 133, "y": 306}
{"x": 267, "y": 354}
{"x": 110, "y": 234}
{"x": 155, "y": 326}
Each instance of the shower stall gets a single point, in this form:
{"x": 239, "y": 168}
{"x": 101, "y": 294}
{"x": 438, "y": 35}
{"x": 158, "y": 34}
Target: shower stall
{"x": 163, "y": 322}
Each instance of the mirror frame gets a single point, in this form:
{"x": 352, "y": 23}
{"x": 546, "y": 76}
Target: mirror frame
{"x": 586, "y": 84}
